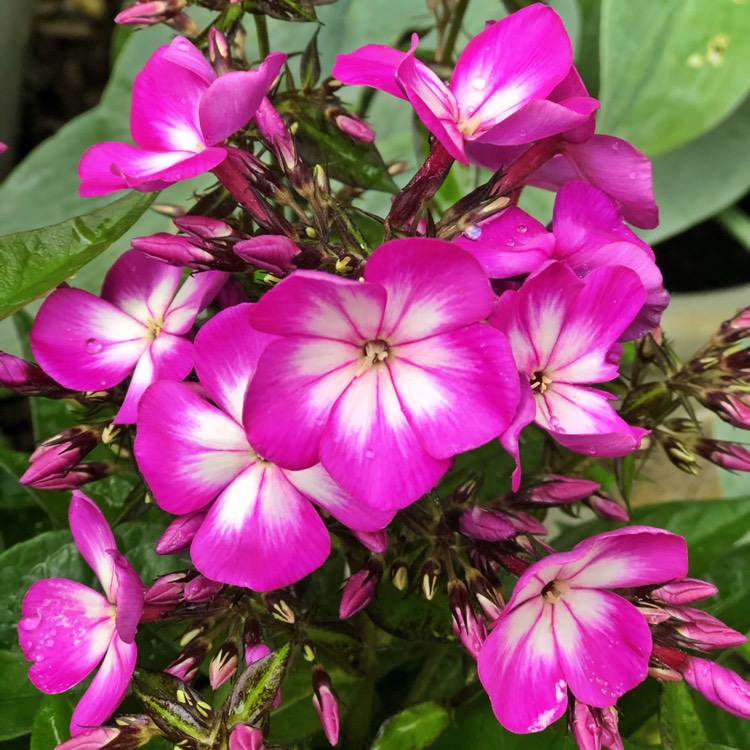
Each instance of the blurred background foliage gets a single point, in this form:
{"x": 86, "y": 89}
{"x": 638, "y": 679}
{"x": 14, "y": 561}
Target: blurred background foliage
{"x": 672, "y": 76}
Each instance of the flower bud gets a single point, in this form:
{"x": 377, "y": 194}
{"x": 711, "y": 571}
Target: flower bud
{"x": 278, "y": 607}
{"x": 325, "y": 704}
{"x": 179, "y": 534}
{"x": 131, "y": 731}
{"x": 375, "y": 541}
{"x": 218, "y": 51}
{"x": 175, "y": 250}
{"x": 254, "y": 653}
{"x": 605, "y": 507}
{"x": 684, "y": 591}
{"x": 274, "y": 131}
{"x": 469, "y": 629}
{"x": 77, "y": 476}
{"x": 23, "y": 377}
{"x": 705, "y": 632}
{"x": 354, "y": 126}
{"x": 150, "y": 12}
{"x": 594, "y": 728}
{"x": 487, "y": 525}
{"x": 270, "y": 252}
{"x": 428, "y": 577}
{"x": 732, "y": 407}
{"x": 56, "y": 456}
{"x": 735, "y": 328}
{"x": 360, "y": 587}
{"x": 732, "y": 456}
{"x": 163, "y": 596}
{"x": 244, "y": 737}
{"x": 557, "y": 490}
{"x": 201, "y": 589}
{"x": 400, "y": 575}
{"x": 525, "y": 523}
{"x": 679, "y": 454}
{"x": 223, "y": 666}
{"x": 187, "y": 663}
{"x": 719, "y": 685}
{"x": 487, "y": 598}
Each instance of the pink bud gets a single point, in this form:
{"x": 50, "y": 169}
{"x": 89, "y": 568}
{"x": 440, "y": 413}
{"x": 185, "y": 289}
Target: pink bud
{"x": 704, "y": 631}
{"x": 325, "y": 704}
{"x": 605, "y": 507}
{"x": 719, "y": 685}
{"x": 525, "y": 523}
{"x": 203, "y": 227}
{"x": 653, "y": 615}
{"x": 201, "y": 589}
{"x": 275, "y": 132}
{"x": 231, "y": 294}
{"x": 270, "y": 252}
{"x": 179, "y": 534}
{"x": 684, "y": 591}
{"x": 244, "y": 737}
{"x": 24, "y": 377}
{"x": 595, "y": 728}
{"x": 256, "y": 652}
{"x": 91, "y": 739}
{"x": 149, "y": 13}
{"x": 218, "y": 51}
{"x": 354, "y": 126}
{"x": 223, "y": 666}
{"x": 559, "y": 490}
{"x": 488, "y": 525}
{"x": 731, "y": 407}
{"x": 57, "y": 455}
{"x": 163, "y": 596}
{"x": 732, "y": 456}
{"x": 469, "y": 629}
{"x": 173, "y": 249}
{"x": 375, "y": 541}
{"x": 359, "y": 588}
{"x": 76, "y": 476}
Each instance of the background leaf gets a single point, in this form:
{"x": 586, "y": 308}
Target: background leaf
{"x": 413, "y": 728}
{"x": 18, "y": 705}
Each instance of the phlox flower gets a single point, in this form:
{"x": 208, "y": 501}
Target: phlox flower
{"x": 385, "y": 378}
{"x": 138, "y": 325}
{"x": 260, "y": 528}
{"x": 562, "y": 630}
{"x": 68, "y": 628}
{"x": 563, "y": 333}
{"x": 181, "y": 114}
{"x": 498, "y": 92}
{"x": 587, "y": 233}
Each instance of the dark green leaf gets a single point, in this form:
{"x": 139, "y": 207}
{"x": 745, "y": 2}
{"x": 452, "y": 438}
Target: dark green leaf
{"x": 413, "y": 728}
{"x": 52, "y": 722}
{"x": 656, "y": 57}
{"x": 255, "y": 689}
{"x": 284, "y": 10}
{"x": 728, "y": 572}
{"x": 680, "y": 727}
{"x": 37, "y": 261}
{"x": 309, "y": 65}
{"x": 587, "y": 49}
{"x": 20, "y": 700}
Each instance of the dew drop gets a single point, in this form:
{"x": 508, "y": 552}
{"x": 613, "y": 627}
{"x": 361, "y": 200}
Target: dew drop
{"x": 49, "y": 643}
{"x": 511, "y": 243}
{"x": 615, "y": 146}
{"x": 93, "y": 346}
{"x": 38, "y": 658}
{"x": 591, "y": 451}
{"x": 369, "y": 453}
{"x": 478, "y": 83}
{"x": 473, "y": 232}
{"x": 53, "y": 632}
{"x": 522, "y": 228}
{"x": 632, "y": 176}
{"x": 555, "y": 422}
{"x": 30, "y": 623}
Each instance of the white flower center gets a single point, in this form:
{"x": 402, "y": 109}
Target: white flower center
{"x": 373, "y": 353}
{"x": 539, "y": 382}
{"x": 554, "y": 591}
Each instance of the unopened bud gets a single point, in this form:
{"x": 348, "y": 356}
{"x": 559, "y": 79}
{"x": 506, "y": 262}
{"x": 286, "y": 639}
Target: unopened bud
{"x": 719, "y": 685}
{"x": 201, "y": 589}
{"x": 735, "y": 328}
{"x": 179, "y": 534}
{"x": 223, "y": 666}
{"x": 732, "y": 407}
{"x": 163, "y": 596}
{"x": 274, "y": 131}
{"x": 470, "y": 630}
{"x": 679, "y": 454}
{"x": 428, "y": 577}
{"x": 325, "y": 704}
{"x": 606, "y": 507}
{"x": 594, "y": 728}
{"x": 23, "y": 377}
{"x": 187, "y": 663}
{"x": 466, "y": 491}
{"x": 320, "y": 178}
{"x": 354, "y": 126}
{"x": 732, "y": 456}
{"x": 271, "y": 252}
{"x": 487, "y": 525}
{"x": 54, "y": 464}
{"x": 150, "y": 13}
{"x": 308, "y": 651}
{"x": 400, "y": 575}
{"x": 130, "y": 731}
{"x": 704, "y": 631}
{"x": 557, "y": 490}
{"x": 218, "y": 51}
{"x": 684, "y": 591}
{"x": 486, "y": 596}
{"x": 174, "y": 250}
{"x": 278, "y": 607}
{"x": 525, "y": 523}
{"x": 375, "y": 541}
{"x": 244, "y": 737}
{"x": 360, "y": 587}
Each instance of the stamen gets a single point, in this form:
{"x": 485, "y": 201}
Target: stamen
{"x": 552, "y": 592}
{"x": 539, "y": 382}
{"x": 374, "y": 352}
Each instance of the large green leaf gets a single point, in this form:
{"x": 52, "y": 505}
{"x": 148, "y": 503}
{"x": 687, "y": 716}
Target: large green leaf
{"x": 38, "y": 260}
{"x": 413, "y": 728}
{"x": 671, "y": 69}
{"x": 51, "y": 724}
{"x": 680, "y": 727}
{"x": 20, "y": 700}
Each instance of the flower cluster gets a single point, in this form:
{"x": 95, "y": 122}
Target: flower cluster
{"x": 279, "y": 381}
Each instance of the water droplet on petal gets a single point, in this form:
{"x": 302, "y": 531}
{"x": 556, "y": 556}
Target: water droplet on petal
{"x": 522, "y": 228}
{"x": 632, "y": 176}
{"x": 473, "y": 232}
{"x": 592, "y": 451}
{"x": 53, "y": 632}
{"x": 511, "y": 243}
{"x": 39, "y": 657}
{"x": 615, "y": 146}
{"x": 369, "y": 453}
{"x": 49, "y": 643}
{"x": 30, "y": 623}
{"x": 478, "y": 83}
{"x": 93, "y": 346}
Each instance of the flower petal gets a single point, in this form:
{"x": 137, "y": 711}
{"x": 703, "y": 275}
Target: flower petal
{"x": 107, "y": 689}
{"x": 519, "y": 669}
{"x": 166, "y": 96}
{"x": 196, "y": 293}
{"x": 233, "y": 98}
{"x": 317, "y": 485}
{"x": 261, "y": 533}
{"x": 84, "y": 342}
{"x": 187, "y": 449}
{"x": 94, "y": 540}
{"x": 129, "y": 598}
{"x": 603, "y": 642}
{"x": 227, "y": 350}
{"x": 720, "y": 685}
{"x": 372, "y": 451}
{"x": 432, "y": 286}
{"x": 458, "y": 390}
{"x": 141, "y": 286}
{"x": 309, "y": 303}
{"x": 294, "y": 389}
{"x": 524, "y": 416}
{"x": 512, "y": 62}
{"x": 65, "y": 630}
{"x": 373, "y": 65}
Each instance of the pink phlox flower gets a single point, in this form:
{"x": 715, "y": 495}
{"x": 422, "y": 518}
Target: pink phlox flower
{"x": 260, "y": 529}
{"x": 68, "y": 628}
{"x": 181, "y": 114}
{"x": 587, "y": 233}
{"x": 561, "y": 330}
{"x": 499, "y": 89}
{"x": 138, "y": 325}
{"x": 387, "y": 377}
{"x": 563, "y": 631}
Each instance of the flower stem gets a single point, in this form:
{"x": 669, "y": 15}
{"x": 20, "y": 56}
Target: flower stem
{"x": 456, "y": 20}
{"x": 261, "y": 29}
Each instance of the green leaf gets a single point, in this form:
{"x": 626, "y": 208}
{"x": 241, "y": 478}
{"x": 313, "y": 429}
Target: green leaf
{"x": 413, "y": 728}
{"x": 671, "y": 70}
{"x": 679, "y": 726}
{"x": 20, "y": 700}
{"x": 255, "y": 689}
{"x": 38, "y": 260}
{"x": 716, "y": 166}
{"x": 52, "y": 722}
{"x": 283, "y": 10}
